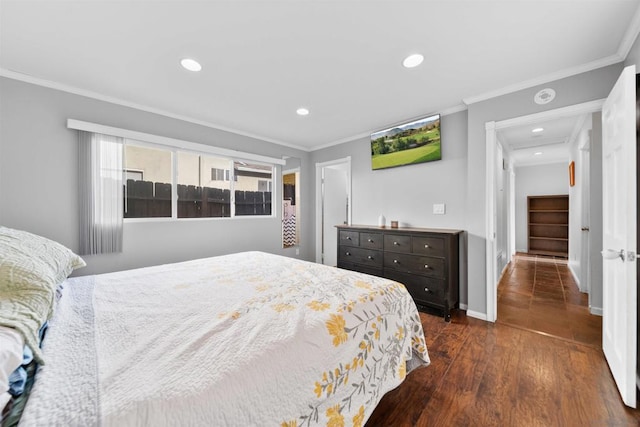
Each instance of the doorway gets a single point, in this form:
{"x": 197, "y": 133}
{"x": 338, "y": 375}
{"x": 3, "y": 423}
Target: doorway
{"x": 493, "y": 227}
{"x": 333, "y": 198}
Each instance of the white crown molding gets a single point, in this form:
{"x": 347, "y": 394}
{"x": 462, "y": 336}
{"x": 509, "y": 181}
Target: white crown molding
{"x": 613, "y": 59}
{"x": 113, "y": 100}
{"x": 527, "y": 163}
{"x": 445, "y": 112}
{"x": 630, "y": 35}
{"x": 571, "y": 110}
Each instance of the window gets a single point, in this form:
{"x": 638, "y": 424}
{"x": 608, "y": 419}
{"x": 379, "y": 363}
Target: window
{"x": 199, "y": 196}
{"x": 134, "y": 175}
{"x": 149, "y": 197}
{"x": 253, "y": 188}
{"x": 175, "y": 183}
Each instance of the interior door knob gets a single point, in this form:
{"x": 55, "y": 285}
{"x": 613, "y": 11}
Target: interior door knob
{"x": 611, "y": 254}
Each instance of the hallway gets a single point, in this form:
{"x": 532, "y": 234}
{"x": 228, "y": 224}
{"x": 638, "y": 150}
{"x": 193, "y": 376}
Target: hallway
{"x": 539, "y": 294}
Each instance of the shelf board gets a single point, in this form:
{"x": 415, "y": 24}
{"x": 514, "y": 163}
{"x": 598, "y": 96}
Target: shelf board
{"x": 561, "y": 239}
{"x": 546, "y": 224}
{"x": 550, "y": 253}
{"x": 548, "y": 210}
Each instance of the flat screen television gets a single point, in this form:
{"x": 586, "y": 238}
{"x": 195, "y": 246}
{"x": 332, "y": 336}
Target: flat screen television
{"x": 406, "y": 144}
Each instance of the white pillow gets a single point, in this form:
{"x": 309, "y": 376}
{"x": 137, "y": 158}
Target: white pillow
{"x": 11, "y": 349}
{"x": 31, "y": 269}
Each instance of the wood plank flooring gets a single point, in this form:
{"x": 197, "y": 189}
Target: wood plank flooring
{"x": 540, "y": 294}
{"x": 485, "y": 374}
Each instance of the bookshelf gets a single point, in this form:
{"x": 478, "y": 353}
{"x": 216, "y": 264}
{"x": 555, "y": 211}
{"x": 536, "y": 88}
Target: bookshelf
{"x": 548, "y": 225}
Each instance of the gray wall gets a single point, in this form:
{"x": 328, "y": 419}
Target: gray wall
{"x": 39, "y": 181}
{"x": 539, "y": 180}
{"x": 573, "y": 90}
{"x": 633, "y": 57}
{"x": 36, "y": 149}
{"x": 407, "y": 194}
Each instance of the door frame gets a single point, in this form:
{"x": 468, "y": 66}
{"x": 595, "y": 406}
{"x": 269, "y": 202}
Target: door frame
{"x": 320, "y": 199}
{"x": 490, "y": 184}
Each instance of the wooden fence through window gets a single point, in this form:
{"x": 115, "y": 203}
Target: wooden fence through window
{"x": 146, "y": 199}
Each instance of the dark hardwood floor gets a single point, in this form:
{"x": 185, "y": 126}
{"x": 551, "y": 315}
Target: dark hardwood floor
{"x": 496, "y": 374}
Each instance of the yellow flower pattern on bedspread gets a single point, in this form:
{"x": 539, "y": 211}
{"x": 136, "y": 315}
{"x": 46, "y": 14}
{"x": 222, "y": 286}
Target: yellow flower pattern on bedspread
{"x": 339, "y": 340}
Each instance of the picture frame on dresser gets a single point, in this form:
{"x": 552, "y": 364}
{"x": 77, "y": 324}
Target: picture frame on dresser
{"x": 425, "y": 260}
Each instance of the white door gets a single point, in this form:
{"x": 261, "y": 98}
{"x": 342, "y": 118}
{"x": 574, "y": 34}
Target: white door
{"x": 585, "y": 201}
{"x": 619, "y": 234}
{"x": 335, "y": 204}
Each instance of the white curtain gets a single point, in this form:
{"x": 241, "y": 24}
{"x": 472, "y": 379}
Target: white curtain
{"x": 101, "y": 193}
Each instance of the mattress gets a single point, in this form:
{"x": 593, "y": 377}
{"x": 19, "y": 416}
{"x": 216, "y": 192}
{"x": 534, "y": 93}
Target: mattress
{"x": 242, "y": 339}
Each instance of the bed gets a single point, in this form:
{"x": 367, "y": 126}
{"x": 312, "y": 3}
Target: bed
{"x": 242, "y": 339}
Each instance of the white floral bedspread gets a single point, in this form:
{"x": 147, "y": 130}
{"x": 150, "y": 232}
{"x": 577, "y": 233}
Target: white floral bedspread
{"x": 250, "y": 339}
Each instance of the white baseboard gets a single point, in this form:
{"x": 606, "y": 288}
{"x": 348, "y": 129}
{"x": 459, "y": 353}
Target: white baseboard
{"x": 595, "y": 310}
{"x": 477, "y": 315}
{"x": 463, "y": 306}
{"x": 575, "y": 276}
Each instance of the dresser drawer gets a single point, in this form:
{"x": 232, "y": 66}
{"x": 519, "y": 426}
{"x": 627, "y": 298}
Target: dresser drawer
{"x": 371, "y": 240}
{"x": 415, "y": 264}
{"x": 366, "y": 257}
{"x": 422, "y": 289}
{"x": 374, "y": 271}
{"x": 349, "y": 238}
{"x": 432, "y": 246}
{"x": 397, "y": 243}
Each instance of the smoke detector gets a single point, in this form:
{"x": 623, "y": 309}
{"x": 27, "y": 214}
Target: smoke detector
{"x": 544, "y": 96}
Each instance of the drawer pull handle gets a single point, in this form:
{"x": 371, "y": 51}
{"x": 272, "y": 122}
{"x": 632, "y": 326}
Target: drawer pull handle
{"x": 348, "y": 237}
{"x": 426, "y": 266}
{"x": 427, "y": 290}
{"x": 370, "y": 241}
{"x": 426, "y": 246}
{"x": 348, "y": 253}
{"x": 396, "y": 243}
{"x": 395, "y": 261}
{"x": 369, "y": 257}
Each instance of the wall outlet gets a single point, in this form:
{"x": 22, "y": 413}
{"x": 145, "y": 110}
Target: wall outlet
{"x": 438, "y": 209}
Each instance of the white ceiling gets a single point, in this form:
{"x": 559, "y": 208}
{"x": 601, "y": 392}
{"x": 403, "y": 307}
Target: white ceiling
{"x": 340, "y": 59}
{"x": 552, "y": 145}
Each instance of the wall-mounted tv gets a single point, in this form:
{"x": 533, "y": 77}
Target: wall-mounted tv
{"x": 408, "y": 143}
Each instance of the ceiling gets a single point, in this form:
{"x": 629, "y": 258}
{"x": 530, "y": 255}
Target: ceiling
{"x": 551, "y": 145}
{"x": 262, "y": 60}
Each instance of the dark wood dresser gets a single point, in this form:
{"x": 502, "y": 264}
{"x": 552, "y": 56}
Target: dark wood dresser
{"x": 425, "y": 260}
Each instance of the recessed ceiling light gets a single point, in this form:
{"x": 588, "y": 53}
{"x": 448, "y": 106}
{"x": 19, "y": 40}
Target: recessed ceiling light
{"x": 413, "y": 60}
{"x": 537, "y": 153}
{"x": 191, "y": 64}
{"x": 537, "y": 130}
{"x": 302, "y": 111}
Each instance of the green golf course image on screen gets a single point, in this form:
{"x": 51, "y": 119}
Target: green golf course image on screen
{"x": 405, "y": 144}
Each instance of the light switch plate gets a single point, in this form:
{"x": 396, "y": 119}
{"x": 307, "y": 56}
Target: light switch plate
{"x": 438, "y": 209}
